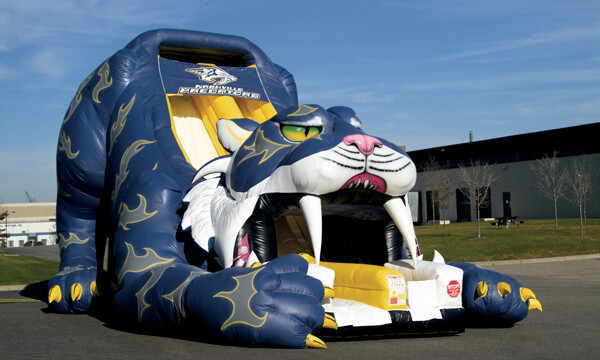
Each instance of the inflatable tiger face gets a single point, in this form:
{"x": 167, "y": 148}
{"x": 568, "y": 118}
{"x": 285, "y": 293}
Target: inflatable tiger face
{"x": 344, "y": 190}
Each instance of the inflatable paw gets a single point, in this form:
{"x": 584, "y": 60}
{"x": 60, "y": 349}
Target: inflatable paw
{"x": 493, "y": 298}
{"x": 72, "y": 289}
{"x": 274, "y": 304}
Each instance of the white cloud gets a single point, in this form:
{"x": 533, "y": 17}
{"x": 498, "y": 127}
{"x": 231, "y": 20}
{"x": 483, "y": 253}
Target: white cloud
{"x": 49, "y": 63}
{"x": 511, "y": 80}
{"x": 26, "y": 22}
{"x": 566, "y": 35}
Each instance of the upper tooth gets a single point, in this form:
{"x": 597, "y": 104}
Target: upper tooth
{"x": 311, "y": 208}
{"x": 400, "y": 214}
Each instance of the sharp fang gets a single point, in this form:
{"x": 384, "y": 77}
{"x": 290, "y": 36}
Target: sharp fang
{"x": 311, "y": 208}
{"x": 400, "y": 214}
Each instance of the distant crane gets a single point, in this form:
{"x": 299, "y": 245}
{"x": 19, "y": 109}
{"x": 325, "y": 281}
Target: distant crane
{"x": 29, "y": 198}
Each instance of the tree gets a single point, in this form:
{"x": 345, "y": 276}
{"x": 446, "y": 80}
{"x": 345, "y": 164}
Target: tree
{"x": 550, "y": 180}
{"x": 579, "y": 184}
{"x": 478, "y": 178}
{"x": 443, "y": 195}
{"x": 4, "y": 231}
{"x": 439, "y": 185}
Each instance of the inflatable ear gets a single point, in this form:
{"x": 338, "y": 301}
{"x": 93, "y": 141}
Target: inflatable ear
{"x": 233, "y": 133}
{"x": 347, "y": 114}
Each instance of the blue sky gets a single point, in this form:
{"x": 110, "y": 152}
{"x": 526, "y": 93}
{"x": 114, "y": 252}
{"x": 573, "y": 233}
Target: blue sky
{"x": 419, "y": 73}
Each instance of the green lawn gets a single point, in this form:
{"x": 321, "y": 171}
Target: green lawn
{"x": 17, "y": 270}
{"x": 456, "y": 242}
{"x": 533, "y": 239}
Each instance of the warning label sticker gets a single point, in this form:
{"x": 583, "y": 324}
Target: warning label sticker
{"x": 453, "y": 288}
{"x": 397, "y": 289}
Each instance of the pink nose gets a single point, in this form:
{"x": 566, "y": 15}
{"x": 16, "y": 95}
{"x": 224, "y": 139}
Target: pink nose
{"x": 365, "y": 143}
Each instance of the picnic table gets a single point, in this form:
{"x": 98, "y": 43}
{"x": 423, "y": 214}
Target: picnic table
{"x": 507, "y": 221}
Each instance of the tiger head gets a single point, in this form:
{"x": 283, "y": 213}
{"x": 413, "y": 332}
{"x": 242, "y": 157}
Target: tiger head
{"x": 310, "y": 174}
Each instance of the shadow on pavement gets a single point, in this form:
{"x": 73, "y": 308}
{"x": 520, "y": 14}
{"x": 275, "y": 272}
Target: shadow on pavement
{"x": 37, "y": 291}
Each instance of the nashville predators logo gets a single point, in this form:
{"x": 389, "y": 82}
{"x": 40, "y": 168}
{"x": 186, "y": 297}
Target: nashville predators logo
{"x": 213, "y": 74}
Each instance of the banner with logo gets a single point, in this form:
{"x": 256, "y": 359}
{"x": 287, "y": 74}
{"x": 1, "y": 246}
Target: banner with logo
{"x": 199, "y": 79}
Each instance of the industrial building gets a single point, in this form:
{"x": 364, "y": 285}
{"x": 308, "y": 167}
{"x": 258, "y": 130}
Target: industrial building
{"x": 32, "y": 223}
{"x": 514, "y": 192}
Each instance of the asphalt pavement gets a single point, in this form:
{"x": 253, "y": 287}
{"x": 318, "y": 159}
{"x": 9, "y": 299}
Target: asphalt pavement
{"x": 568, "y": 328}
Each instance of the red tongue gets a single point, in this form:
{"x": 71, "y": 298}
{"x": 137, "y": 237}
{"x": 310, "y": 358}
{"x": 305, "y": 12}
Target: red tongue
{"x": 366, "y": 181}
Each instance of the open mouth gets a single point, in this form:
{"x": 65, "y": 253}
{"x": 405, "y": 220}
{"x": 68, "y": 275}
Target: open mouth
{"x": 366, "y": 181}
{"x": 350, "y": 225}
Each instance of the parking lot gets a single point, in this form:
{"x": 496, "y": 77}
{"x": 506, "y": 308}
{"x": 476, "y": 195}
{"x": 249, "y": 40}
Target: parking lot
{"x": 568, "y": 328}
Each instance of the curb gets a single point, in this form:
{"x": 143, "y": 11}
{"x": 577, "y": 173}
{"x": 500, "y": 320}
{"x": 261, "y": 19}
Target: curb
{"x": 479, "y": 263}
{"x": 12, "y": 287}
{"x": 540, "y": 260}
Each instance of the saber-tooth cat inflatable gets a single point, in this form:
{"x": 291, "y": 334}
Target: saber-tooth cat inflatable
{"x": 227, "y": 207}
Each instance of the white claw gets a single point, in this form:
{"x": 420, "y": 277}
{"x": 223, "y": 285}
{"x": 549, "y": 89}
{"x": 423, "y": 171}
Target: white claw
{"x": 311, "y": 208}
{"x": 400, "y": 214}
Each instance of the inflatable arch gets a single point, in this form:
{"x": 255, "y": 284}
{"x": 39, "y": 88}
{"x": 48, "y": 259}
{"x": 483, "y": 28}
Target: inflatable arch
{"x": 229, "y": 207}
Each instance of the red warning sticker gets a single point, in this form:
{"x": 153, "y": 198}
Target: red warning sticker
{"x": 453, "y": 288}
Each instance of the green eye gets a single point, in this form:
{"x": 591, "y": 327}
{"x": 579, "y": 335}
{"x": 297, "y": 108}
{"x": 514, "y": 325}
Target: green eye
{"x": 299, "y": 133}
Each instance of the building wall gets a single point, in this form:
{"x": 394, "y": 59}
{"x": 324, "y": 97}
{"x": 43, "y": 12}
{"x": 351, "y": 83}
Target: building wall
{"x": 30, "y": 222}
{"x": 17, "y": 240}
{"x": 518, "y": 179}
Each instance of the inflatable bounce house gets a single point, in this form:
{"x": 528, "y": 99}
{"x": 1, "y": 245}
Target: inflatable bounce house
{"x": 218, "y": 203}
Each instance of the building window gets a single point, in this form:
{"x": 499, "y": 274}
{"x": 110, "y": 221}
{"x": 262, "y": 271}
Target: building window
{"x": 486, "y": 206}
{"x": 463, "y": 205}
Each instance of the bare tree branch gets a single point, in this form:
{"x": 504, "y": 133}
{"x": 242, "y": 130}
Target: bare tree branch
{"x": 579, "y": 184}
{"x": 439, "y": 184}
{"x": 478, "y": 178}
{"x": 550, "y": 180}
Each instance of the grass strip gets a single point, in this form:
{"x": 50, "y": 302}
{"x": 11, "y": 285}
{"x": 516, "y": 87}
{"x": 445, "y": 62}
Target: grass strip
{"x": 531, "y": 240}
{"x": 456, "y": 242}
{"x": 18, "y": 270}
